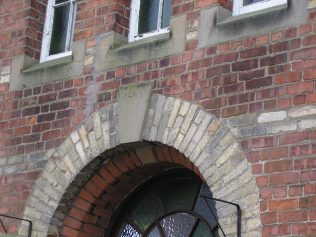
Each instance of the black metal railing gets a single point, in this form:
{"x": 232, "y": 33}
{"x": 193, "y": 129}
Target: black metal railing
{"x": 16, "y": 218}
{"x": 206, "y": 198}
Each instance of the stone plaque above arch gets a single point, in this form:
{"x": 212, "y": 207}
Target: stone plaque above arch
{"x": 198, "y": 135}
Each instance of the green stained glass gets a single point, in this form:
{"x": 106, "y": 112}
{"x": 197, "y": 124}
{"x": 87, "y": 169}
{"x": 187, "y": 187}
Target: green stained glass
{"x": 145, "y": 209}
{"x": 180, "y": 193}
{"x": 154, "y": 210}
{"x": 202, "y": 230}
{"x": 60, "y": 29}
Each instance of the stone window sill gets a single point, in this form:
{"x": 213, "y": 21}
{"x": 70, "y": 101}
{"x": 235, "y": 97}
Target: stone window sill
{"x": 121, "y": 53}
{"x": 223, "y": 19}
{"x": 141, "y": 42}
{"x": 51, "y": 63}
{"x": 218, "y": 25}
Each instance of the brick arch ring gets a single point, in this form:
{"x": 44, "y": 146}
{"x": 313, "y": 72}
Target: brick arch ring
{"x": 198, "y": 135}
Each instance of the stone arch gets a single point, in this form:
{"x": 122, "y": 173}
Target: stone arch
{"x": 209, "y": 145}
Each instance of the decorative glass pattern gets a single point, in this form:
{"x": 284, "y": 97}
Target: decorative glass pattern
{"x": 145, "y": 209}
{"x": 169, "y": 207}
{"x": 178, "y": 224}
{"x": 128, "y": 231}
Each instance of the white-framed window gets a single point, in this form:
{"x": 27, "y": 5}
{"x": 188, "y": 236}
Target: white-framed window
{"x": 246, "y": 6}
{"x": 58, "y": 29}
{"x": 148, "y": 18}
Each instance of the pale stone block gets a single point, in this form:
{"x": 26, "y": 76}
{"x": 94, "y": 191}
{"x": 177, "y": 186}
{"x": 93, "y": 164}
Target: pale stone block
{"x": 173, "y": 132}
{"x": 311, "y": 4}
{"x": 228, "y": 153}
{"x": 272, "y": 117}
{"x": 307, "y": 123}
{"x": 74, "y": 137}
{"x": 302, "y": 112}
{"x": 184, "y": 108}
{"x": 174, "y": 112}
{"x": 88, "y": 60}
{"x": 3, "y": 161}
{"x": 200, "y": 146}
{"x": 276, "y": 128}
{"x": 234, "y": 173}
{"x": 97, "y": 126}
{"x": 226, "y": 140}
{"x": 105, "y": 128}
{"x": 94, "y": 148}
{"x": 81, "y": 152}
{"x": 191, "y": 35}
{"x": 188, "y": 119}
{"x": 159, "y": 109}
{"x": 188, "y": 136}
{"x": 214, "y": 126}
{"x": 50, "y": 166}
{"x": 32, "y": 212}
{"x": 70, "y": 164}
{"x": 84, "y": 137}
{"x": 199, "y": 117}
{"x": 202, "y": 128}
{"x": 178, "y": 141}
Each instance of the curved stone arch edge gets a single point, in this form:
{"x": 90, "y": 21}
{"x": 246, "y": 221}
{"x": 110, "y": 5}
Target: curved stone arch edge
{"x": 171, "y": 121}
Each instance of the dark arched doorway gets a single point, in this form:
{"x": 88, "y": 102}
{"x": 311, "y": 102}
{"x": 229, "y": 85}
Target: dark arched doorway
{"x": 168, "y": 205}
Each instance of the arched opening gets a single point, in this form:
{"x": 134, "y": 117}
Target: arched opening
{"x": 98, "y": 166}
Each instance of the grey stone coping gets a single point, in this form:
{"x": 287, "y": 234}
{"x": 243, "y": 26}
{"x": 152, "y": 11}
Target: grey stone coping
{"x": 50, "y": 63}
{"x": 224, "y": 20}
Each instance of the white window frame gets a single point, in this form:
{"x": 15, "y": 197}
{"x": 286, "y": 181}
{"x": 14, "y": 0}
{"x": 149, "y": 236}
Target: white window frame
{"x": 239, "y": 8}
{"x": 48, "y": 28}
{"x": 134, "y": 19}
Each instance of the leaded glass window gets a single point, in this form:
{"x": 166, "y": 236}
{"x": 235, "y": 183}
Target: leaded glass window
{"x": 58, "y": 30}
{"x": 149, "y": 17}
{"x": 168, "y": 206}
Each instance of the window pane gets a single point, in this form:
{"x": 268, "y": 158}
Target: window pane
{"x": 154, "y": 232}
{"x": 145, "y": 209}
{"x": 128, "y": 231}
{"x": 187, "y": 187}
{"x": 178, "y": 224}
{"x": 166, "y": 12}
{"x": 248, "y": 2}
{"x": 60, "y": 28}
{"x": 61, "y": 1}
{"x": 203, "y": 208}
{"x": 148, "y": 16}
{"x": 202, "y": 230}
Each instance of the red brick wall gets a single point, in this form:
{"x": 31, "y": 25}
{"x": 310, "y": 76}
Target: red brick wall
{"x": 270, "y": 72}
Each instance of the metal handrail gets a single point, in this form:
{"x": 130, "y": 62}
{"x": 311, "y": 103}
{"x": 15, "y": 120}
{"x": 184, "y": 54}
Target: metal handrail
{"x": 230, "y": 203}
{"x": 16, "y": 218}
